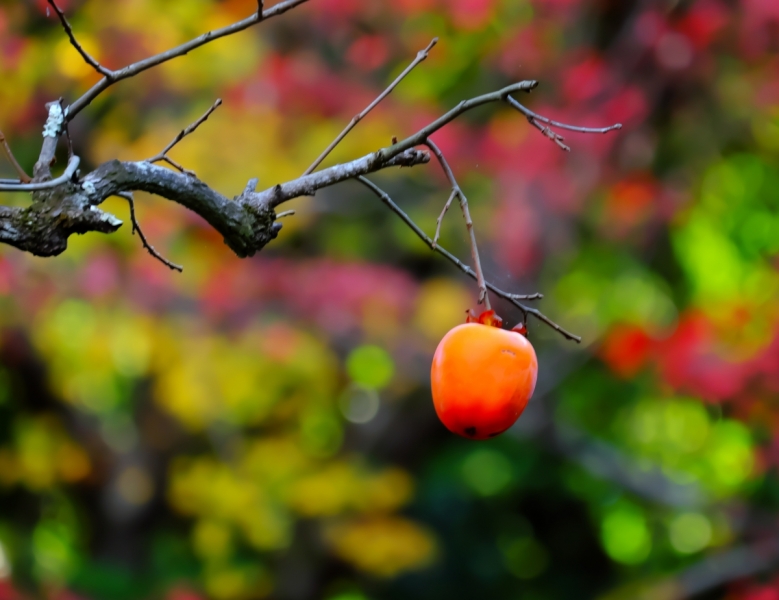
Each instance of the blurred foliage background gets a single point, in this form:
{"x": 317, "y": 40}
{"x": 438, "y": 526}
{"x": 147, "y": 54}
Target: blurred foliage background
{"x": 264, "y": 429}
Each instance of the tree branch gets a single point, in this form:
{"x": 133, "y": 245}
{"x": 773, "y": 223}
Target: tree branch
{"x": 70, "y": 171}
{"x": 158, "y": 59}
{"x": 163, "y": 156}
{"x": 64, "y": 206}
{"x": 23, "y": 177}
{"x": 423, "y": 134}
{"x": 74, "y": 42}
{"x": 535, "y": 120}
{"x": 137, "y": 227}
{"x": 307, "y": 185}
{"x": 247, "y": 226}
{"x": 512, "y": 298}
{"x": 440, "y": 218}
{"x": 457, "y": 191}
{"x": 421, "y": 55}
{"x": 43, "y": 228}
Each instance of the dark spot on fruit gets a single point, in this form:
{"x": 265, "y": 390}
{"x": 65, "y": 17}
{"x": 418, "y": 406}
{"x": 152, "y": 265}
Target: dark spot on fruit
{"x": 471, "y": 431}
{"x": 507, "y": 351}
{"x": 495, "y": 433}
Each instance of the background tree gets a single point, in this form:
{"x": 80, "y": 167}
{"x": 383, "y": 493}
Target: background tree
{"x": 264, "y": 428}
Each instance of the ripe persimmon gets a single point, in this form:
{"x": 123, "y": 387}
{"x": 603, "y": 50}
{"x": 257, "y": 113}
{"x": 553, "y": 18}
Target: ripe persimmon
{"x": 482, "y": 376}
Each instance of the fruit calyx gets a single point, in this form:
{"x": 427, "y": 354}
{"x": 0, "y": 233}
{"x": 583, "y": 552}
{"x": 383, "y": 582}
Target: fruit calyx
{"x": 488, "y": 317}
{"x": 491, "y": 319}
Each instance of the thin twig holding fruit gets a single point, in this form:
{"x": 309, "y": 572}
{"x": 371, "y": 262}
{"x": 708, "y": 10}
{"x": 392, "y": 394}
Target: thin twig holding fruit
{"x": 457, "y": 191}
{"x": 512, "y": 298}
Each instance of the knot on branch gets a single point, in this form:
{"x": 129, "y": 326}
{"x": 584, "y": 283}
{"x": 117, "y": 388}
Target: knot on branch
{"x": 43, "y": 228}
{"x": 257, "y": 225}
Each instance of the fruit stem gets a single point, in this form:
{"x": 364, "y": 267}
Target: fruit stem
{"x": 457, "y": 191}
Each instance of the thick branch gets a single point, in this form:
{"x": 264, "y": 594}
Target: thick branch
{"x": 246, "y": 226}
{"x": 43, "y": 228}
{"x": 248, "y": 221}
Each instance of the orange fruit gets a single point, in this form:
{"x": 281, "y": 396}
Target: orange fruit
{"x": 482, "y": 378}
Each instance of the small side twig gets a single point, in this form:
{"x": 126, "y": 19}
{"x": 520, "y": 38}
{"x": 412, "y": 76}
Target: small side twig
{"x": 148, "y": 63}
{"x": 457, "y": 191}
{"x": 108, "y": 73}
{"x": 70, "y": 171}
{"x": 440, "y": 218}
{"x": 23, "y": 176}
{"x": 536, "y": 121}
{"x": 512, "y": 298}
{"x": 421, "y": 55}
{"x": 66, "y": 131}
{"x": 163, "y": 156}
{"x": 136, "y": 227}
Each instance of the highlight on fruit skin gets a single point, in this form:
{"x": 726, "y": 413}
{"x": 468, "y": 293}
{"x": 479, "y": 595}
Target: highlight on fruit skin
{"x": 483, "y": 376}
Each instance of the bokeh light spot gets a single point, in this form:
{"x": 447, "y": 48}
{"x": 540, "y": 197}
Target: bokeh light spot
{"x": 135, "y": 485}
{"x": 370, "y": 366}
{"x": 625, "y": 535}
{"x": 525, "y": 558}
{"x": 486, "y": 472}
{"x": 690, "y": 532}
{"x": 359, "y": 404}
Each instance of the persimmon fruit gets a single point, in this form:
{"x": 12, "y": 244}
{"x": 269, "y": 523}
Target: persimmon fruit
{"x": 483, "y": 376}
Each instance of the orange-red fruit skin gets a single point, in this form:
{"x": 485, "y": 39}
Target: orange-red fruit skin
{"x": 482, "y": 378}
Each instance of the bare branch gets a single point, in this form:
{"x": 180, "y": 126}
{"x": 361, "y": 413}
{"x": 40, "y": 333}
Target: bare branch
{"x": 182, "y": 134}
{"x": 536, "y": 296}
{"x": 307, "y": 185}
{"x": 157, "y": 59}
{"x": 52, "y": 131}
{"x": 44, "y": 185}
{"x": 74, "y": 42}
{"x": 456, "y": 190}
{"x": 136, "y": 227}
{"x": 421, "y": 55}
{"x": 552, "y": 135}
{"x": 535, "y": 120}
{"x": 423, "y": 134}
{"x": 440, "y": 218}
{"x": 174, "y": 164}
{"x": 512, "y": 298}
{"x": 23, "y": 177}
{"x": 44, "y": 227}
{"x": 248, "y": 222}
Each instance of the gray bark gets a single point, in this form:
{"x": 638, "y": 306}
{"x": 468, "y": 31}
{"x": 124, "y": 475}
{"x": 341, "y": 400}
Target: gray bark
{"x": 247, "y": 221}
